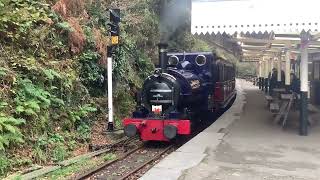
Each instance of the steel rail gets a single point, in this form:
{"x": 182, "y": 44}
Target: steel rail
{"x": 106, "y": 164}
{"x": 146, "y": 163}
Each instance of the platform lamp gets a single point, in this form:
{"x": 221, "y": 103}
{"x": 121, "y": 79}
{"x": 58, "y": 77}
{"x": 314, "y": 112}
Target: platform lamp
{"x": 115, "y": 31}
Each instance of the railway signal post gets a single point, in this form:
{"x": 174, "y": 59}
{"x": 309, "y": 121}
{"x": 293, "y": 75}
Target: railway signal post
{"x": 114, "y": 24}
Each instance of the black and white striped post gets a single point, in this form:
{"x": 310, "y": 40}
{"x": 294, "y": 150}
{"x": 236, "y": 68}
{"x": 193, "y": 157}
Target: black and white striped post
{"x": 115, "y": 30}
{"x": 305, "y": 37}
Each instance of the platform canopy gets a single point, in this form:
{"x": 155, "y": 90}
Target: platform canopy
{"x": 278, "y": 16}
{"x": 266, "y": 30}
{"x": 261, "y": 27}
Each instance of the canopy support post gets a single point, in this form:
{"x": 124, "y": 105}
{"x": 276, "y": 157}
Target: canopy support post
{"x": 279, "y": 70}
{"x": 260, "y": 74}
{"x": 272, "y": 64}
{"x": 287, "y": 66}
{"x": 304, "y": 84}
{"x": 263, "y": 76}
{"x": 266, "y": 83}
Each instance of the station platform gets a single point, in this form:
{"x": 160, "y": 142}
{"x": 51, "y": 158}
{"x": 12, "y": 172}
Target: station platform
{"x": 244, "y": 144}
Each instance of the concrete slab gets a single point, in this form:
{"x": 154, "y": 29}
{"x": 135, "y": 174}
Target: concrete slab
{"x": 201, "y": 142}
{"x": 194, "y": 152}
{"x": 256, "y": 149}
{"x": 161, "y": 174}
{"x": 181, "y": 160}
{"x": 173, "y": 165}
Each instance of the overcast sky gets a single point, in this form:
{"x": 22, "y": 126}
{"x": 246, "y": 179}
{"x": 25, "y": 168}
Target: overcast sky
{"x": 255, "y": 12}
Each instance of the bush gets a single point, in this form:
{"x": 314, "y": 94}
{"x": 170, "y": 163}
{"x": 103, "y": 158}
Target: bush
{"x": 4, "y": 164}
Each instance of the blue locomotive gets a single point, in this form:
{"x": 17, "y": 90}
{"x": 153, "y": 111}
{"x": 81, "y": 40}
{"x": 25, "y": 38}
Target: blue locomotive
{"x": 186, "y": 85}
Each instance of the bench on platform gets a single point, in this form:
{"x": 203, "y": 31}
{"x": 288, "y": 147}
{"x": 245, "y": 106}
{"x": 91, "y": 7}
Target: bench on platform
{"x": 281, "y": 113}
{"x": 269, "y": 100}
{"x": 274, "y": 107}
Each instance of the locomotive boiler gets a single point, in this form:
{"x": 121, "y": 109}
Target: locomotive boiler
{"x": 172, "y": 100}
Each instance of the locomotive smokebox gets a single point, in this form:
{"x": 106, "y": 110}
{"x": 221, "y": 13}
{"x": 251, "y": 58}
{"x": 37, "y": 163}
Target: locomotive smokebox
{"x": 163, "y": 60}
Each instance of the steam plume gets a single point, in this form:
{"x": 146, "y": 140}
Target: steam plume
{"x": 174, "y": 14}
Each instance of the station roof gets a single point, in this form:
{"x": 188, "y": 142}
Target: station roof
{"x": 260, "y": 27}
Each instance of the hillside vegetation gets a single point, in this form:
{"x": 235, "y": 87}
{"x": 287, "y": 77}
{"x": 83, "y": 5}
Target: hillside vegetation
{"x": 52, "y": 72}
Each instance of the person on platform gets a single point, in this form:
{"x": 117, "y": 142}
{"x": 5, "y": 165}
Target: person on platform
{"x": 273, "y": 80}
{"x": 283, "y": 79}
{"x": 295, "y": 83}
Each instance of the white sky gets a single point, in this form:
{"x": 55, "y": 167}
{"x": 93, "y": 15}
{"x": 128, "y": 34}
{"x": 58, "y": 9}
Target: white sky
{"x": 254, "y": 12}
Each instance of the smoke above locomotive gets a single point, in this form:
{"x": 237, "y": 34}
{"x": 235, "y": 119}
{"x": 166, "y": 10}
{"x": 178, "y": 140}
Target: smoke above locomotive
{"x": 173, "y": 15}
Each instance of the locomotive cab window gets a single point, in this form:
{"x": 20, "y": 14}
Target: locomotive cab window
{"x": 173, "y": 60}
{"x": 201, "y": 60}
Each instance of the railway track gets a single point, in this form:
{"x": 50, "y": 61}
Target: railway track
{"x": 129, "y": 163}
{"x": 134, "y": 161}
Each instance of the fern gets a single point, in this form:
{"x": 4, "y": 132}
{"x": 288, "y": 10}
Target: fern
{"x": 9, "y": 131}
{"x": 3, "y": 105}
{"x": 82, "y": 112}
{"x": 51, "y": 74}
{"x": 30, "y": 98}
{"x": 65, "y": 26}
{"x": 3, "y": 71}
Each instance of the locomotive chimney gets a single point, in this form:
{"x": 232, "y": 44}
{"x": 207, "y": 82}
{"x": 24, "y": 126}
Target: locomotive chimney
{"x": 163, "y": 60}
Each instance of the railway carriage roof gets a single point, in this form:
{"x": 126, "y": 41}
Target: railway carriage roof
{"x": 212, "y": 54}
{"x": 190, "y": 53}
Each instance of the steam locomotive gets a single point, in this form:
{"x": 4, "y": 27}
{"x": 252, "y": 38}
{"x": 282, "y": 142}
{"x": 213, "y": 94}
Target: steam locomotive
{"x": 186, "y": 86}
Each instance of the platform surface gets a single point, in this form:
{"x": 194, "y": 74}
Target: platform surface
{"x": 244, "y": 144}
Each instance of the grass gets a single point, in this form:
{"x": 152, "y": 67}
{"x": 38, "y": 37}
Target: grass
{"x": 109, "y": 157}
{"x": 80, "y": 166}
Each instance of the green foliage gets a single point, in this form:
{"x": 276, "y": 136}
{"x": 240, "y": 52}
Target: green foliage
{"x": 51, "y": 74}
{"x": 3, "y": 71}
{"x": 18, "y": 17}
{"x": 33, "y": 103}
{"x": 246, "y": 69}
{"x": 49, "y": 94}
{"x": 51, "y": 147}
{"x": 80, "y": 166}
{"x": 59, "y": 153}
{"x": 97, "y": 12}
{"x": 109, "y": 157}
{"x": 91, "y": 72}
{"x": 4, "y": 164}
{"x": 65, "y": 26}
{"x": 84, "y": 132}
{"x": 9, "y": 131}
{"x": 80, "y": 113}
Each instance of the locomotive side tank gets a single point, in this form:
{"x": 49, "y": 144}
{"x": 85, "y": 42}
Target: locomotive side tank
{"x": 173, "y": 97}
